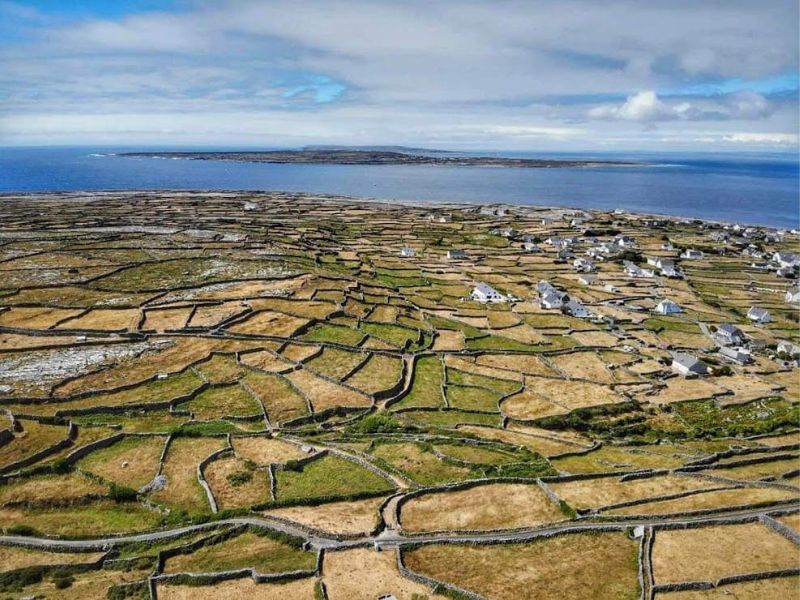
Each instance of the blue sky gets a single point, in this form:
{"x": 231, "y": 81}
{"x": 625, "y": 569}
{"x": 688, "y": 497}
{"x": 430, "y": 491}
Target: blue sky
{"x": 504, "y": 74}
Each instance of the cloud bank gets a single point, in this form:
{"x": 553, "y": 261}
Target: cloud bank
{"x": 506, "y": 74}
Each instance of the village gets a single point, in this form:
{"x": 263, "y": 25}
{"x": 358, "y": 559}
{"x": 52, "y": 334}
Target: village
{"x": 281, "y": 395}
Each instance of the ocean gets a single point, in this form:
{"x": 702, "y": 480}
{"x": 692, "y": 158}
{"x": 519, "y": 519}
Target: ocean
{"x": 757, "y": 189}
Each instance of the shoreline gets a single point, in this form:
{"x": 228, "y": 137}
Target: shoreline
{"x": 416, "y": 203}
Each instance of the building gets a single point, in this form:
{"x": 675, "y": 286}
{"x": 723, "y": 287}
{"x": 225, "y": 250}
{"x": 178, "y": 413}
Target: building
{"x": 588, "y": 279}
{"x": 667, "y": 307}
{"x": 456, "y": 254}
{"x": 787, "y": 272}
{"x": 687, "y": 365}
{"x": 407, "y": 252}
{"x": 633, "y": 270}
{"x": 486, "y": 293}
{"x": 551, "y": 300}
{"x": 793, "y": 295}
{"x": 531, "y": 247}
{"x": 576, "y": 309}
{"x": 729, "y": 335}
{"x": 624, "y": 241}
{"x": 789, "y": 348}
{"x": 583, "y": 265}
{"x": 667, "y": 246}
{"x": 736, "y": 354}
{"x": 759, "y": 315}
{"x": 610, "y": 289}
{"x": 692, "y": 254}
{"x": 786, "y": 259}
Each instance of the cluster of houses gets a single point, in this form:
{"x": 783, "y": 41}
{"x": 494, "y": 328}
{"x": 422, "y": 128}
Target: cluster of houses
{"x": 551, "y": 298}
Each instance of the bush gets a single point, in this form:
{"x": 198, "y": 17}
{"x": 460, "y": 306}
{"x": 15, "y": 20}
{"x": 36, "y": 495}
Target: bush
{"x": 131, "y": 590}
{"x": 21, "y": 530}
{"x": 567, "y": 510}
{"x": 62, "y": 581}
{"x": 14, "y": 581}
{"x": 238, "y": 478}
{"x": 377, "y": 423}
{"x": 121, "y": 493}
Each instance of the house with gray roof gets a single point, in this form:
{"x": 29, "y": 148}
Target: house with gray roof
{"x": 687, "y": 365}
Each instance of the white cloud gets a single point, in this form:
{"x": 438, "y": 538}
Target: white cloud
{"x": 790, "y": 139}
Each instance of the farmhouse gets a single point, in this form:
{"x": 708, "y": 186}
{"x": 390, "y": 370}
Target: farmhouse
{"x": 667, "y": 307}
{"x": 759, "y": 315}
{"x": 736, "y": 354}
{"x": 687, "y": 365}
{"x": 456, "y": 254}
{"x": 486, "y": 293}
{"x": 634, "y": 270}
{"x": 588, "y": 279}
{"x": 692, "y": 254}
{"x": 624, "y": 241}
{"x": 582, "y": 265}
{"x": 793, "y": 295}
{"x": 407, "y": 252}
{"x": 788, "y": 348}
{"x": 531, "y": 247}
{"x": 576, "y": 309}
{"x": 551, "y": 300}
{"x": 729, "y": 335}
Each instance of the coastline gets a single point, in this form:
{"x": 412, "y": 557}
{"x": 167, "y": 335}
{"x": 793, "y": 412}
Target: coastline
{"x": 416, "y": 203}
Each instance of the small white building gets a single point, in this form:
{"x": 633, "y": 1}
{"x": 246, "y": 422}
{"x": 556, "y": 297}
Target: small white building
{"x": 588, "y": 279}
{"x": 667, "y": 307}
{"x": 759, "y": 315}
{"x": 576, "y": 309}
{"x": 667, "y": 246}
{"x": 786, "y": 259}
{"x": 736, "y": 354}
{"x": 407, "y": 252}
{"x": 729, "y": 335}
{"x": 456, "y": 254}
{"x": 692, "y": 254}
{"x": 583, "y": 265}
{"x": 789, "y": 348}
{"x": 552, "y": 300}
{"x": 531, "y": 247}
{"x": 486, "y": 293}
{"x": 610, "y": 289}
{"x": 793, "y": 295}
{"x": 624, "y": 241}
{"x": 687, "y": 365}
{"x": 633, "y": 270}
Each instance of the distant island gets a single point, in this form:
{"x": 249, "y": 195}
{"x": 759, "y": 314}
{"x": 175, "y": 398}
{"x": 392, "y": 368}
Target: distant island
{"x": 379, "y": 156}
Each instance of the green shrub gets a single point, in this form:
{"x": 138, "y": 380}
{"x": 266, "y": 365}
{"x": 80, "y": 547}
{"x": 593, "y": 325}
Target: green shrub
{"x": 238, "y": 478}
{"x": 377, "y": 423}
{"x": 21, "y": 530}
{"x": 121, "y": 493}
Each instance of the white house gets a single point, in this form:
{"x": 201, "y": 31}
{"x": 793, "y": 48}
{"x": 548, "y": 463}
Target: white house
{"x": 692, "y": 254}
{"x": 668, "y": 307}
{"x": 787, "y": 272}
{"x": 407, "y": 252}
{"x": 786, "y": 259}
{"x": 634, "y": 270}
{"x": 251, "y": 206}
{"x": 456, "y": 254}
{"x": 531, "y": 247}
{"x": 588, "y": 279}
{"x": 759, "y": 315}
{"x": 687, "y": 365}
{"x": 729, "y": 335}
{"x": 610, "y": 289}
{"x": 576, "y": 309}
{"x": 486, "y": 293}
{"x": 788, "y": 348}
{"x": 551, "y": 300}
{"x": 667, "y": 246}
{"x": 624, "y": 241}
{"x": 793, "y": 295}
{"x": 736, "y": 354}
{"x": 583, "y": 266}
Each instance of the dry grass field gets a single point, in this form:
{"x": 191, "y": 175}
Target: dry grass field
{"x": 363, "y": 574}
{"x": 710, "y": 553}
{"x": 241, "y": 589}
{"x": 598, "y": 566}
{"x": 357, "y": 517}
{"x": 492, "y": 506}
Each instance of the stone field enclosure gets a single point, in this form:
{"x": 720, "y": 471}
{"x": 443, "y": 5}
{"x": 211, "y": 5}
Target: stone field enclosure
{"x": 265, "y": 395}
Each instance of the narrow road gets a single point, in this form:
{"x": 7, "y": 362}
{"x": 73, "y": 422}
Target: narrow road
{"x": 389, "y": 538}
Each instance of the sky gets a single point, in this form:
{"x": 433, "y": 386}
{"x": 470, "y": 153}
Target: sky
{"x": 526, "y": 75}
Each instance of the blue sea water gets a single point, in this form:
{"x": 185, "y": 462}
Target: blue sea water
{"x": 758, "y": 189}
